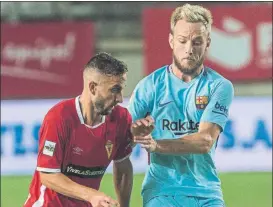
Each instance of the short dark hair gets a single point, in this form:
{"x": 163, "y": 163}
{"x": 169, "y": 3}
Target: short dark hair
{"x": 106, "y": 64}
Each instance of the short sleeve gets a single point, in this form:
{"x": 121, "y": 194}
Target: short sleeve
{"x": 50, "y": 154}
{"x": 217, "y": 111}
{"x": 141, "y": 101}
{"x": 125, "y": 137}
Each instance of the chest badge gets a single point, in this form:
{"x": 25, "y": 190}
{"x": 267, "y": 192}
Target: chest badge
{"x": 109, "y": 148}
{"x": 201, "y": 102}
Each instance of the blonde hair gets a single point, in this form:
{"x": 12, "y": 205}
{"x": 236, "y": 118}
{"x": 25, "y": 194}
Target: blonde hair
{"x": 192, "y": 13}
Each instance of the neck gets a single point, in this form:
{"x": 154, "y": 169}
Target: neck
{"x": 185, "y": 77}
{"x": 90, "y": 117}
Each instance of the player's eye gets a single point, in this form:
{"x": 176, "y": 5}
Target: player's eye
{"x": 116, "y": 90}
{"x": 197, "y": 42}
{"x": 182, "y": 41}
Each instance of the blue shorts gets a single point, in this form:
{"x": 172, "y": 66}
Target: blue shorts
{"x": 183, "y": 201}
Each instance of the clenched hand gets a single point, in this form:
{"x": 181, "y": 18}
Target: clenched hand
{"x": 143, "y": 127}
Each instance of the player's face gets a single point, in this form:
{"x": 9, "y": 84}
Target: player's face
{"x": 109, "y": 94}
{"x": 189, "y": 43}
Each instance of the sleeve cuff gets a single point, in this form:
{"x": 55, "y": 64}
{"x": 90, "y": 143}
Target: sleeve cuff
{"x": 50, "y": 170}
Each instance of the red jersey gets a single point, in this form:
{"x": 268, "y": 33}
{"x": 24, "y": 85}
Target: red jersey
{"x": 80, "y": 152}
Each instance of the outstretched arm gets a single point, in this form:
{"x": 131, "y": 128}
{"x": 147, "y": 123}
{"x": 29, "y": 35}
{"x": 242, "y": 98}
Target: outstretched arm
{"x": 199, "y": 142}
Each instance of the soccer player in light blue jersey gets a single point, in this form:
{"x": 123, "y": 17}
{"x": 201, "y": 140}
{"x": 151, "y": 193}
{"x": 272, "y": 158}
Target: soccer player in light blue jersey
{"x": 189, "y": 105}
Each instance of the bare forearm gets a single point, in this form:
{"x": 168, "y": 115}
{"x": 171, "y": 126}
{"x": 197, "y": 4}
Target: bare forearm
{"x": 193, "y": 143}
{"x": 63, "y": 185}
{"x": 123, "y": 180}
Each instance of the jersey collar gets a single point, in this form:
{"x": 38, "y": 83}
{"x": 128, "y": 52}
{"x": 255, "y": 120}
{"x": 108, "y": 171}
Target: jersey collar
{"x": 79, "y": 112}
{"x": 169, "y": 69}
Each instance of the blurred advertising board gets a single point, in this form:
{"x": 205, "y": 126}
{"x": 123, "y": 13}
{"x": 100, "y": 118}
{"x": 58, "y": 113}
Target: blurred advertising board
{"x": 44, "y": 60}
{"x": 241, "y": 46}
{"x": 245, "y": 145}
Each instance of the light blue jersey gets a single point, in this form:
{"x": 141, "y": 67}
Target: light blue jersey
{"x": 178, "y": 108}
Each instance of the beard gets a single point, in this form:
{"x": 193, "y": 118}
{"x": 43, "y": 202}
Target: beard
{"x": 101, "y": 108}
{"x": 190, "y": 70}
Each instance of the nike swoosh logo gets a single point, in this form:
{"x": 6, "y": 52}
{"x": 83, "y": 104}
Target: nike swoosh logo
{"x": 164, "y": 104}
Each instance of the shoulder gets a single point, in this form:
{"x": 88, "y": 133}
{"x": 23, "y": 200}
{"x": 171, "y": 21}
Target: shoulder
{"x": 154, "y": 77}
{"x": 62, "y": 111}
{"x": 217, "y": 80}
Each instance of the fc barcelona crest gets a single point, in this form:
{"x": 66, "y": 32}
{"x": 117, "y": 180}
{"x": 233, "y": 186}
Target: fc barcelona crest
{"x": 109, "y": 148}
{"x": 201, "y": 102}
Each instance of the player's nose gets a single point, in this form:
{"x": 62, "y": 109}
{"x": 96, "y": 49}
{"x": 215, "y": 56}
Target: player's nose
{"x": 189, "y": 48}
{"x": 119, "y": 98}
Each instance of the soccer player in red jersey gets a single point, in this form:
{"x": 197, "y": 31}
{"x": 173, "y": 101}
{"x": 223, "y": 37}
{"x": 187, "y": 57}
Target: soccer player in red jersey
{"x": 80, "y": 137}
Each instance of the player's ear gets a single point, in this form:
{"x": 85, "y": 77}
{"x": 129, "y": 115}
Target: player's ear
{"x": 92, "y": 87}
{"x": 171, "y": 40}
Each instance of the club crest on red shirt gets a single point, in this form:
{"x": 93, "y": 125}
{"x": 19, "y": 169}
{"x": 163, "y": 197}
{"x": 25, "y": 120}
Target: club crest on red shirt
{"x": 109, "y": 148}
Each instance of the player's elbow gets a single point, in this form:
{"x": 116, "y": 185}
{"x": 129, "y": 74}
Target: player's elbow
{"x": 206, "y": 144}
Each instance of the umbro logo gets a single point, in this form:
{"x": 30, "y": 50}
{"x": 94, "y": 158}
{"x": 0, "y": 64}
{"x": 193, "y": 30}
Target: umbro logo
{"x": 164, "y": 104}
{"x": 77, "y": 150}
